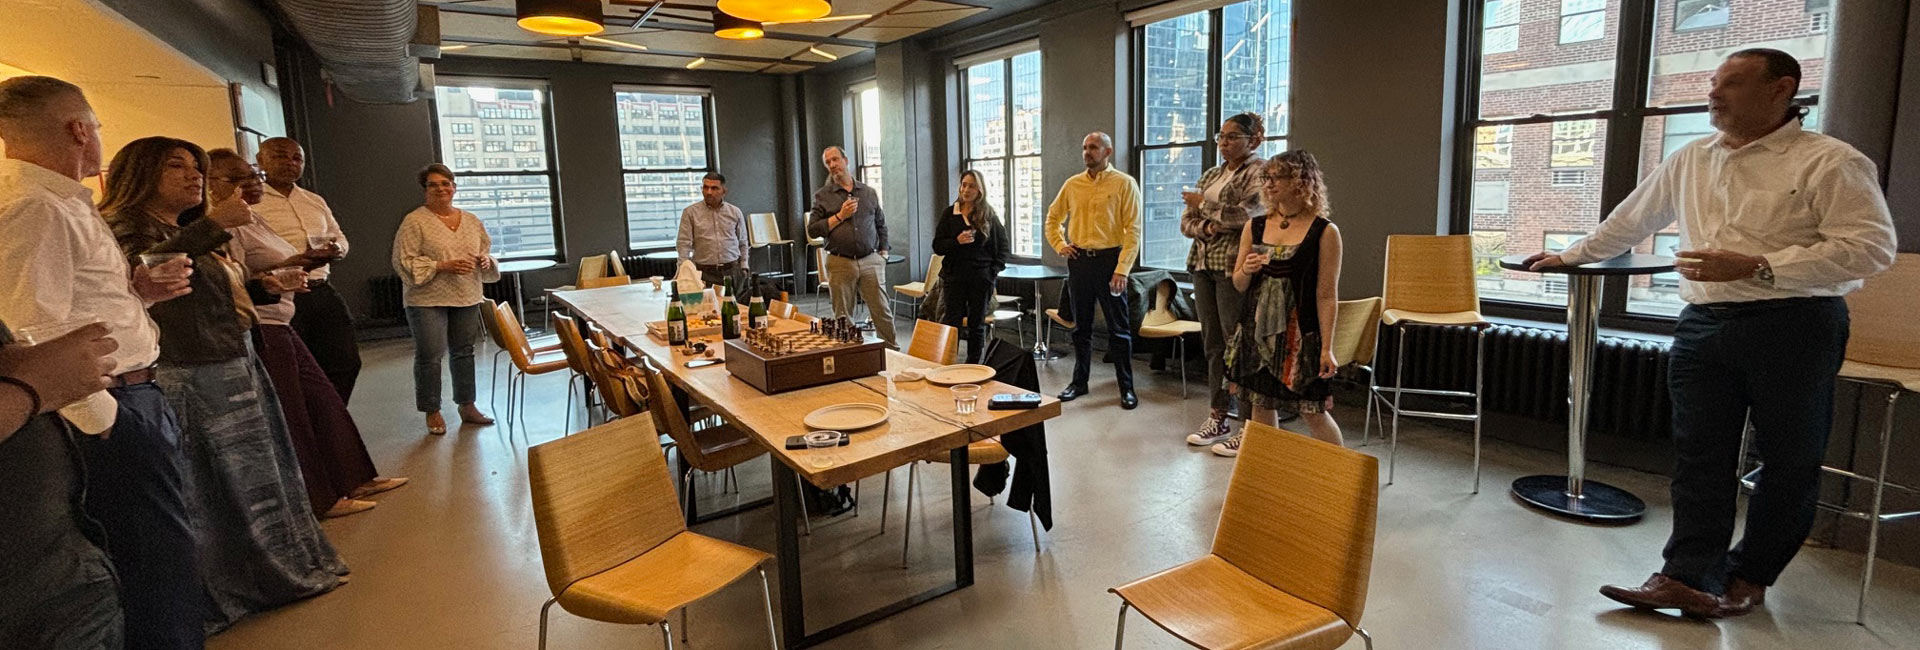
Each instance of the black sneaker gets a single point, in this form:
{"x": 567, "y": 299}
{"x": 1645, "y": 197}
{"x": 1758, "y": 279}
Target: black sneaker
{"x": 1211, "y": 432}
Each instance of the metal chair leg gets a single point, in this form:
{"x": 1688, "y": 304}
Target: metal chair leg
{"x": 683, "y": 624}
{"x": 1033, "y": 525}
{"x": 804, "y": 517}
{"x": 543, "y": 622}
{"x": 886, "y": 500}
{"x": 568, "y": 428}
{"x": 1368, "y": 638}
{"x": 1120, "y": 626}
{"x": 1399, "y": 383}
{"x": 666, "y": 632}
{"x": 906, "y": 537}
{"x": 1479, "y": 399}
{"x": 1873, "y": 521}
{"x": 766, "y": 599}
{"x": 1180, "y": 347}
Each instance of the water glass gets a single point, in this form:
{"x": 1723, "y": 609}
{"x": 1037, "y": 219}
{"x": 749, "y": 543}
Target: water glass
{"x": 290, "y": 276}
{"x": 151, "y": 260}
{"x": 965, "y": 396}
{"x": 319, "y": 242}
{"x": 37, "y": 334}
{"x": 93, "y": 414}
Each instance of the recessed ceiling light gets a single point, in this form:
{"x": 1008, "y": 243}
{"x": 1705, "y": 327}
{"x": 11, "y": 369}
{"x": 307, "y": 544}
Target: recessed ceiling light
{"x": 560, "y": 17}
{"x": 822, "y": 53}
{"x": 777, "y": 10}
{"x": 731, "y": 27}
{"x": 696, "y": 63}
{"x": 609, "y": 41}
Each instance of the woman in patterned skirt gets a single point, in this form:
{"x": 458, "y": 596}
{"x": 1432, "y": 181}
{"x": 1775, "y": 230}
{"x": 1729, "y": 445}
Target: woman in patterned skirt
{"x": 1289, "y": 271}
{"x": 443, "y": 255}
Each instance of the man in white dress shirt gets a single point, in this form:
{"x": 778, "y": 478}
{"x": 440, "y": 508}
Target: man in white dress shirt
{"x": 320, "y": 316}
{"x": 1776, "y": 224}
{"x": 59, "y": 263}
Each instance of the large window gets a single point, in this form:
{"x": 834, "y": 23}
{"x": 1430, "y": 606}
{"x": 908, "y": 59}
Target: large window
{"x": 867, "y": 135}
{"x": 1192, "y": 71}
{"x": 1001, "y": 134}
{"x": 664, "y": 150}
{"x": 513, "y": 196}
{"x": 1557, "y": 142}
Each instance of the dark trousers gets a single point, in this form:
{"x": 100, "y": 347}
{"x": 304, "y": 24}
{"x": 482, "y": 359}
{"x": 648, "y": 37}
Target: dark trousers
{"x": 135, "y": 492}
{"x": 1774, "y": 362}
{"x": 966, "y": 302}
{"x": 56, "y": 587}
{"x": 323, "y": 322}
{"x": 1219, "y": 305}
{"x": 1088, "y": 277}
{"x": 717, "y": 276}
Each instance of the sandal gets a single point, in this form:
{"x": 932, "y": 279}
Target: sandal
{"x": 376, "y": 486}
{"x": 436, "y": 424}
{"x": 346, "y": 507}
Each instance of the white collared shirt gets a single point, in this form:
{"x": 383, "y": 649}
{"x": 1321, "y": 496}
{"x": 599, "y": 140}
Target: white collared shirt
{"x": 59, "y": 262}
{"x": 712, "y": 236}
{"x": 1809, "y": 203}
{"x": 298, "y": 215}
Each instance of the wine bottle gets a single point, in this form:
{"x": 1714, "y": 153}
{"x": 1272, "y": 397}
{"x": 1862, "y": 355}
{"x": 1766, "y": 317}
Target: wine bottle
{"x": 729, "y": 314}
{"x": 676, "y": 319}
{"x": 757, "y": 313}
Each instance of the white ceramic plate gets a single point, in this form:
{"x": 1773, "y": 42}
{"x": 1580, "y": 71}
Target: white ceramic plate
{"x": 960, "y": 373}
{"x": 909, "y": 375}
{"x": 846, "y": 417}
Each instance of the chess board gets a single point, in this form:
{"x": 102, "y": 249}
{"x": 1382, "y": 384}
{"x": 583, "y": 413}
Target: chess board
{"x": 804, "y": 358}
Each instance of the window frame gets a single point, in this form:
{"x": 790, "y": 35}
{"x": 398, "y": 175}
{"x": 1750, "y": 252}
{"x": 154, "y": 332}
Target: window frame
{"x": 1601, "y": 10}
{"x": 1009, "y": 160}
{"x": 857, "y": 145}
{"x": 708, "y": 129}
{"x": 1623, "y": 121}
{"x": 556, "y": 221}
{"x": 1209, "y": 149}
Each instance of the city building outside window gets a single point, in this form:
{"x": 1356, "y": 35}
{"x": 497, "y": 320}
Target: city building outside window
{"x": 1582, "y": 20}
{"x": 1000, "y": 131}
{"x": 659, "y": 187}
{"x": 513, "y": 197}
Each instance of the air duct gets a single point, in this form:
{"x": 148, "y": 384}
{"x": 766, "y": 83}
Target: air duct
{"x": 362, "y": 44}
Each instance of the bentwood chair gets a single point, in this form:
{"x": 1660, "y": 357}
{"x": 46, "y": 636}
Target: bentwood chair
{"x": 1161, "y": 323}
{"x": 612, "y": 538}
{"x": 1356, "y": 335}
{"x": 492, "y": 326}
{"x": 715, "y": 448}
{"x": 1883, "y": 352}
{"x": 783, "y": 310}
{"x": 917, "y": 290}
{"x": 1290, "y": 559}
{"x": 579, "y": 361}
{"x": 936, "y": 342}
{"x": 1429, "y": 283}
{"x": 526, "y": 363}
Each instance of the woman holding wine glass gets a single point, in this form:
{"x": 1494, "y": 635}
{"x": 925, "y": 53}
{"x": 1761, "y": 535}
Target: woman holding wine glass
{"x": 975, "y": 248}
{"x": 443, "y": 256}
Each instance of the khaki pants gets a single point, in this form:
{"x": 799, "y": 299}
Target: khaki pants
{"x": 850, "y": 280}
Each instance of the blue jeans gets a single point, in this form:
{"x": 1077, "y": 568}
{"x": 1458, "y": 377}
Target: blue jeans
{"x": 443, "y": 332}
{"x": 1773, "y": 361}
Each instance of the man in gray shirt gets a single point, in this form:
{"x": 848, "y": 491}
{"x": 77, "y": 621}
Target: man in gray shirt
{"x": 713, "y": 234}
{"x": 847, "y": 213}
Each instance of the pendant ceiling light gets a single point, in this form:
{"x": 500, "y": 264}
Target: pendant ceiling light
{"x": 733, "y": 27}
{"x": 560, "y": 17}
{"x": 777, "y": 10}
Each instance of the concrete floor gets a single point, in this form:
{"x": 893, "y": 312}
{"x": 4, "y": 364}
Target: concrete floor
{"x": 452, "y": 561}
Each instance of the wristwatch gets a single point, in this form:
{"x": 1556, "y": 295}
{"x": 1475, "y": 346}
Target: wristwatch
{"x": 1763, "y": 271}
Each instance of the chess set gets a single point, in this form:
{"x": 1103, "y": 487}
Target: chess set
{"x": 827, "y": 351}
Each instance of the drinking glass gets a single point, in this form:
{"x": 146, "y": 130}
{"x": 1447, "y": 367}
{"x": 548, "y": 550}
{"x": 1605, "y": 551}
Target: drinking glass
{"x": 290, "y": 276}
{"x": 151, "y": 260}
{"x": 93, "y": 414}
{"x": 964, "y": 398}
{"x": 37, "y": 334}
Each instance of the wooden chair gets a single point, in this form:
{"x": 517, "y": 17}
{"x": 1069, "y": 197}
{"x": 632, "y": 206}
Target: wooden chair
{"x": 591, "y": 266}
{"x": 492, "y": 325}
{"x": 614, "y": 266}
{"x": 1356, "y": 335}
{"x": 1161, "y": 323}
{"x": 612, "y": 540}
{"x": 716, "y": 448}
{"x": 1056, "y": 317}
{"x": 917, "y": 290}
{"x": 612, "y": 281}
{"x": 1430, "y": 282}
{"x": 579, "y": 360}
{"x": 1883, "y": 352}
{"x": 783, "y": 310}
{"x": 526, "y": 362}
{"x": 936, "y": 342}
{"x": 1290, "y": 559}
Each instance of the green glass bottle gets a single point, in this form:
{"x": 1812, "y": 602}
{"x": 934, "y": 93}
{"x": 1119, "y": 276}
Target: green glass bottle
{"x": 676, "y": 319}
{"x": 729, "y": 314}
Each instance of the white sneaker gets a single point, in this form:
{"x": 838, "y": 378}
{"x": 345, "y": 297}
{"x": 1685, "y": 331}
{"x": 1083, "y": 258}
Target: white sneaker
{"x": 1211, "y": 432}
{"x": 1230, "y": 448}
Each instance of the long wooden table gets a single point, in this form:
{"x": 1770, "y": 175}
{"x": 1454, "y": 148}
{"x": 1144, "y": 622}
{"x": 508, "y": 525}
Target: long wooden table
{"x": 921, "y": 424}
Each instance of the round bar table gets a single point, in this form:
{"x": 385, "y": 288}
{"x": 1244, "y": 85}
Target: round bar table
{"x": 1573, "y": 495}
{"x": 513, "y": 269}
{"x": 1035, "y": 273}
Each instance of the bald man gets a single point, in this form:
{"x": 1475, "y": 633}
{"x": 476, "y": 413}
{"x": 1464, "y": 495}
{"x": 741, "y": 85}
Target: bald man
{"x": 302, "y": 218}
{"x": 1095, "y": 223}
{"x": 59, "y": 264}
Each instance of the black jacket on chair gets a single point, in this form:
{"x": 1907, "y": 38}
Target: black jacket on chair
{"x": 1032, "y": 489}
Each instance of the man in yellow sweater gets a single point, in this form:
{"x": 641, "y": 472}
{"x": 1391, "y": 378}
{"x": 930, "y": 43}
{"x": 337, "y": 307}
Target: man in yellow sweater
{"x": 1095, "y": 223}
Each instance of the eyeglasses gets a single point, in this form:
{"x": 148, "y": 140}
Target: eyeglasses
{"x": 1226, "y": 137}
{"x": 1275, "y": 178}
{"x": 256, "y": 177}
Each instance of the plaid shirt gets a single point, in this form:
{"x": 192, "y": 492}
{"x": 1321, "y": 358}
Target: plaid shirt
{"x": 1239, "y": 201}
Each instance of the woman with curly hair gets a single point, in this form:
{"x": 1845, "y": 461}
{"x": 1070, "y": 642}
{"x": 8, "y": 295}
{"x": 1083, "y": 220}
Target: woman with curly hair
{"x": 1289, "y": 270}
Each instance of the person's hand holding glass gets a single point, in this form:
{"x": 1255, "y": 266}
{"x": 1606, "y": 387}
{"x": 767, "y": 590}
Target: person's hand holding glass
{"x": 162, "y": 276}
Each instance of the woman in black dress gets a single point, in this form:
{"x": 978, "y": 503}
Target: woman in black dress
{"x": 975, "y": 248}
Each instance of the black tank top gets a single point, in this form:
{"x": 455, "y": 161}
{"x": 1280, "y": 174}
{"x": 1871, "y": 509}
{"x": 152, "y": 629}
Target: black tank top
{"x": 1303, "y": 268}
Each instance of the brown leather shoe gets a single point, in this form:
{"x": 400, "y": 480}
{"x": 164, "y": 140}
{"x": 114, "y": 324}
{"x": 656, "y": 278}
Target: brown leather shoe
{"x": 1742, "y": 598}
{"x": 1662, "y": 592}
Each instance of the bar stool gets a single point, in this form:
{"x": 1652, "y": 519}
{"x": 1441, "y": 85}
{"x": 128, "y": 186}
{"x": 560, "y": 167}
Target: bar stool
{"x": 917, "y": 290}
{"x": 1429, "y": 282}
{"x": 763, "y": 231}
{"x": 1161, "y": 323}
{"x": 1883, "y": 351}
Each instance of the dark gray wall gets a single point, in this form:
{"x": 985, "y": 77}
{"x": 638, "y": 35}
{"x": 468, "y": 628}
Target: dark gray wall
{"x": 364, "y": 157}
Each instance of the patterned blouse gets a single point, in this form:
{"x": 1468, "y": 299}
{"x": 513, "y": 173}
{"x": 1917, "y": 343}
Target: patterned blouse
{"x": 423, "y": 242}
{"x": 1239, "y": 201}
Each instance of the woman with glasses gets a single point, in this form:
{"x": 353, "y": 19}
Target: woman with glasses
{"x": 1289, "y": 270}
{"x": 974, "y": 248}
{"x": 256, "y": 538}
{"x": 1216, "y": 214}
{"x": 443, "y": 255}
{"x": 338, "y": 472}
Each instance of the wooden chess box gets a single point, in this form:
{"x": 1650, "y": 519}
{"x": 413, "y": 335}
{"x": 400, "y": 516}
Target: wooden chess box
{"x": 816, "y": 360}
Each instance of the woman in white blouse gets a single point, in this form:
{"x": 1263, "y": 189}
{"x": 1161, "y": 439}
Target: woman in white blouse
{"x": 443, "y": 255}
